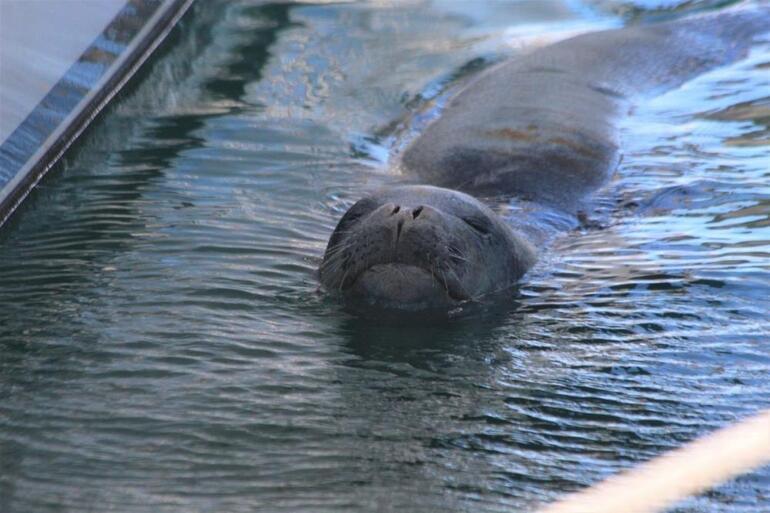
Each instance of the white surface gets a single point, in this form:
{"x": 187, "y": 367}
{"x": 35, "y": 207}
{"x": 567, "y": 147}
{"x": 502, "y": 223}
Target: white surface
{"x": 39, "y": 41}
{"x": 661, "y": 482}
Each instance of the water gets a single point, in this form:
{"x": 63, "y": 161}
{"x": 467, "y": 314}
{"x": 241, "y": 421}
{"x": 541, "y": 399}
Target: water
{"x": 164, "y": 347}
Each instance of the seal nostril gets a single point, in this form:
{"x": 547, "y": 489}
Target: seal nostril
{"x": 417, "y": 212}
{"x": 395, "y": 210}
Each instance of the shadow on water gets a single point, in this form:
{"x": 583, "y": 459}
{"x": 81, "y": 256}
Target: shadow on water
{"x": 53, "y": 259}
{"x": 104, "y": 143}
{"x": 252, "y": 51}
{"x": 94, "y": 196}
{"x": 420, "y": 339}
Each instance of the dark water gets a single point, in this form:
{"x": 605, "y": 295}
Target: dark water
{"x": 163, "y": 346}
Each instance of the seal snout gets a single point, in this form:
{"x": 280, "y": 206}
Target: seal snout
{"x": 399, "y": 253}
{"x": 419, "y": 247}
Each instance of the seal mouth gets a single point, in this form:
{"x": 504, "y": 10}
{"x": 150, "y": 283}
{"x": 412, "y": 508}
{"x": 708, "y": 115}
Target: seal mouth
{"x": 398, "y": 285}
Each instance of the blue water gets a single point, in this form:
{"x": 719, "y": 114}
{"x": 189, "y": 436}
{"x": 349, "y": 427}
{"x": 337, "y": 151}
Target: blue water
{"x": 164, "y": 346}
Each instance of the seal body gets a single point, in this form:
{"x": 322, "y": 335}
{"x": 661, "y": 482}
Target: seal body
{"x": 543, "y": 128}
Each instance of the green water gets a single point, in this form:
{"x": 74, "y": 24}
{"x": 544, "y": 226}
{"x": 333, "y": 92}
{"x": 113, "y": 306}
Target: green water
{"x": 164, "y": 346}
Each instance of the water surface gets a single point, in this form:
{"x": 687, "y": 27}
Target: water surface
{"x": 164, "y": 346}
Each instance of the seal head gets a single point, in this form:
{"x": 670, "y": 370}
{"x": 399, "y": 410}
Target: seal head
{"x": 422, "y": 248}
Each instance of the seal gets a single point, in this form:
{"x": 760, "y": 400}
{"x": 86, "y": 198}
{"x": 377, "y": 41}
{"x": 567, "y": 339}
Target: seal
{"x": 541, "y": 128}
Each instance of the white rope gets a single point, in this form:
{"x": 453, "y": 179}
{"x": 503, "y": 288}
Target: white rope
{"x": 669, "y": 478}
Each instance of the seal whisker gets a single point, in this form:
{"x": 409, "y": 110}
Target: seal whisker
{"x": 344, "y": 277}
{"x": 443, "y": 278}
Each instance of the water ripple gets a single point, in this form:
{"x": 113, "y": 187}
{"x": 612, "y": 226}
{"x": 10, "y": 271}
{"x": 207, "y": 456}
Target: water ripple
{"x": 164, "y": 346}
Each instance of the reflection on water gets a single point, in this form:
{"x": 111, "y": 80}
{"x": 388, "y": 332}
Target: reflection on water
{"x": 163, "y": 345}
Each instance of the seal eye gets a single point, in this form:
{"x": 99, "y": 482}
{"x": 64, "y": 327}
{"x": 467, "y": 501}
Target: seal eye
{"x": 479, "y": 225}
{"x": 361, "y": 208}
{"x": 351, "y": 217}
{"x": 357, "y": 211}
